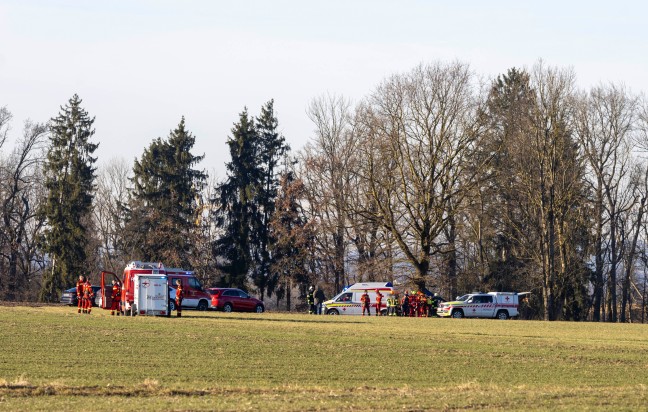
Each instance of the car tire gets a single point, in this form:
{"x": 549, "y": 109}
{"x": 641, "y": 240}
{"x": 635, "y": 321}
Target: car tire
{"x": 172, "y": 306}
{"x": 259, "y": 309}
{"x": 457, "y": 314}
{"x": 332, "y": 312}
{"x": 202, "y": 305}
{"x": 228, "y": 308}
{"x": 502, "y": 315}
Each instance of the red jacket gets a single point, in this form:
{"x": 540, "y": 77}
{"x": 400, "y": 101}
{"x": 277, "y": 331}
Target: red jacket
{"x": 179, "y": 293}
{"x": 365, "y": 299}
{"x": 79, "y": 287}
{"x": 116, "y": 292}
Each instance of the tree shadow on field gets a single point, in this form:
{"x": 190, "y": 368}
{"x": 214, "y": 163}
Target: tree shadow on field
{"x": 235, "y": 318}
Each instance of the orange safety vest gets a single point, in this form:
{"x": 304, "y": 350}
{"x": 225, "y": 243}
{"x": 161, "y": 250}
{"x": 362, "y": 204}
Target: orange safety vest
{"x": 87, "y": 290}
{"x": 365, "y": 299}
{"x": 179, "y": 293}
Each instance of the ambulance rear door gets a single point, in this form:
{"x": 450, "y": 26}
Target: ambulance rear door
{"x": 106, "y": 288}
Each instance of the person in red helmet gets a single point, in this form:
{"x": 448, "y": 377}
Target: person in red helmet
{"x": 79, "y": 291}
{"x": 88, "y": 296}
{"x": 366, "y": 303}
{"x": 116, "y": 298}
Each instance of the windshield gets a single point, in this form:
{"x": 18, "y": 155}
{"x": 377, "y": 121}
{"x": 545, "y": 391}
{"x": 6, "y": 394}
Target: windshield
{"x": 463, "y": 298}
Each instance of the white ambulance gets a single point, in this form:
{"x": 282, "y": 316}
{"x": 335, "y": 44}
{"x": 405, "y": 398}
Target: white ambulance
{"x": 500, "y": 305}
{"x": 348, "y": 301}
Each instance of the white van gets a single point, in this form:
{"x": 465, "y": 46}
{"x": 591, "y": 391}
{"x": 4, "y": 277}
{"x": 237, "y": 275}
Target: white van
{"x": 348, "y": 301}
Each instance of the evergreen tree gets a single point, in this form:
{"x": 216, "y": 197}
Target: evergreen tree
{"x": 236, "y": 203}
{"x": 69, "y": 180}
{"x": 293, "y": 237}
{"x": 162, "y": 204}
{"x": 271, "y": 150}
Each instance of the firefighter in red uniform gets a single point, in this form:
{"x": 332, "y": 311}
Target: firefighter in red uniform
{"x": 88, "y": 295}
{"x": 379, "y": 297}
{"x": 178, "y": 297}
{"x": 79, "y": 291}
{"x": 116, "y": 298}
{"x": 366, "y": 303}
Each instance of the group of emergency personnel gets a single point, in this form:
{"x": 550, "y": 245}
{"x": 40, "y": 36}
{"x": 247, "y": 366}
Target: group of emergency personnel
{"x": 416, "y": 304}
{"x": 85, "y": 296}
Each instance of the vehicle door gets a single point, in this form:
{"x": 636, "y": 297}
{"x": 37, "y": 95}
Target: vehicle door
{"x": 197, "y": 291}
{"x": 345, "y": 305}
{"x": 231, "y": 296}
{"x": 187, "y": 301}
{"x": 106, "y": 288}
{"x": 245, "y": 302}
{"x": 471, "y": 307}
{"x": 486, "y": 308}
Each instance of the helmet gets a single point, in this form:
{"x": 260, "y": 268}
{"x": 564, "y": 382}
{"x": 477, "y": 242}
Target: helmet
{"x": 311, "y": 288}
{"x": 406, "y": 292}
{"x": 436, "y": 294}
{"x": 391, "y": 292}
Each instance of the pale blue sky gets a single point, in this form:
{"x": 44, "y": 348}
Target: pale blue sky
{"x": 140, "y": 65}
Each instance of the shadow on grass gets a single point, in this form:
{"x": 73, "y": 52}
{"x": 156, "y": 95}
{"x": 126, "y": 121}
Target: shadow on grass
{"x": 268, "y": 319}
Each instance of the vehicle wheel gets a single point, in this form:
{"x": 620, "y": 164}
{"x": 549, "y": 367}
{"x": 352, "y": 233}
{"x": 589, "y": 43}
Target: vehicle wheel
{"x": 172, "y": 306}
{"x": 202, "y": 305}
{"x": 457, "y": 314}
{"x": 259, "y": 309}
{"x": 502, "y": 315}
{"x": 228, "y": 308}
{"x": 333, "y": 312}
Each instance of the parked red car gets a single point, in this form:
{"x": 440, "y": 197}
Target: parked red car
{"x": 230, "y": 300}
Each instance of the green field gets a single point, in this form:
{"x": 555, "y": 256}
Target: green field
{"x": 53, "y": 359}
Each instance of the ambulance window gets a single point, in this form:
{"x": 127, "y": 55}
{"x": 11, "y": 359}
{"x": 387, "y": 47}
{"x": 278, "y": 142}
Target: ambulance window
{"x": 194, "y": 284}
{"x": 487, "y": 299}
{"x": 345, "y": 298}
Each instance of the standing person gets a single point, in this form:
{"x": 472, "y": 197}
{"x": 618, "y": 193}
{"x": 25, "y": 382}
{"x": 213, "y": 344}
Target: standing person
{"x": 391, "y": 304}
{"x": 366, "y": 303}
{"x": 379, "y": 297}
{"x": 79, "y": 291}
{"x": 310, "y": 300}
{"x": 431, "y": 307}
{"x": 88, "y": 296}
{"x": 405, "y": 305}
{"x": 178, "y": 297}
{"x": 319, "y": 300}
{"x": 116, "y": 298}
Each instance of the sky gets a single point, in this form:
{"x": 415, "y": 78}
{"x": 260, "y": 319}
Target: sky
{"x": 140, "y": 65}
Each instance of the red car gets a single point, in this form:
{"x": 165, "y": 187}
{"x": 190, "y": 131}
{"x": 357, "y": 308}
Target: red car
{"x": 230, "y": 300}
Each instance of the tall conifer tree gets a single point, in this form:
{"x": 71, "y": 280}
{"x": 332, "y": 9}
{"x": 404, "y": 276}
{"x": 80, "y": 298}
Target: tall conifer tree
{"x": 236, "y": 203}
{"x": 272, "y": 149}
{"x": 163, "y": 202}
{"x": 69, "y": 180}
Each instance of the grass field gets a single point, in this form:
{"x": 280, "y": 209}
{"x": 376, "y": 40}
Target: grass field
{"x": 53, "y": 359}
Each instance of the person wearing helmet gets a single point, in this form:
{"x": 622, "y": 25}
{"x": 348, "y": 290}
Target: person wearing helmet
{"x": 405, "y": 305}
{"x": 366, "y": 303}
{"x": 88, "y": 296}
{"x": 310, "y": 300}
{"x": 79, "y": 291}
{"x": 391, "y": 304}
{"x": 116, "y": 298}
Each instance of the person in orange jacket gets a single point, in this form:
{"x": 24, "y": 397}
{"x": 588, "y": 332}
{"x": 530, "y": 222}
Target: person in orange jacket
{"x": 79, "y": 291}
{"x": 366, "y": 303}
{"x": 116, "y": 298}
{"x": 178, "y": 297}
{"x": 88, "y": 296}
{"x": 379, "y": 297}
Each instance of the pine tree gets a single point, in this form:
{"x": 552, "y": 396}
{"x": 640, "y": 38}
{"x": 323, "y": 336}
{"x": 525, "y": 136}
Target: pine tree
{"x": 69, "y": 174}
{"x": 271, "y": 150}
{"x": 162, "y": 206}
{"x": 237, "y": 209}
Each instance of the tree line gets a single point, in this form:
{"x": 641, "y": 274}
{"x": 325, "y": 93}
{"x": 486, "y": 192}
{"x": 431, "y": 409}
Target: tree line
{"x": 437, "y": 180}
